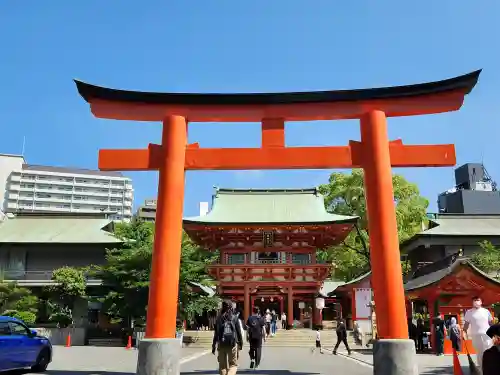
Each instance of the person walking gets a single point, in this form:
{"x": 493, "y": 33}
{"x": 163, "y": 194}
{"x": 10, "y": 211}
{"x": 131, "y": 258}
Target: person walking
{"x": 455, "y": 335}
{"x": 227, "y": 339}
{"x": 420, "y": 335}
{"x": 341, "y": 337}
{"x": 479, "y": 320}
{"x": 283, "y": 320}
{"x": 491, "y": 356}
{"x": 267, "y": 319}
{"x": 440, "y": 331}
{"x": 256, "y": 333}
{"x": 274, "y": 323}
{"x": 318, "y": 342}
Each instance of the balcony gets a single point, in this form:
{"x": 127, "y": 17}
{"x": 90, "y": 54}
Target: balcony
{"x": 36, "y": 278}
{"x": 240, "y": 261}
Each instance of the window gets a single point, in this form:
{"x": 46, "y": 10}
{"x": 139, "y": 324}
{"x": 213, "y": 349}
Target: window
{"x": 4, "y": 329}
{"x": 18, "y": 329}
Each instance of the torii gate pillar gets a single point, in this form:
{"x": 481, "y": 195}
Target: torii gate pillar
{"x": 165, "y": 267}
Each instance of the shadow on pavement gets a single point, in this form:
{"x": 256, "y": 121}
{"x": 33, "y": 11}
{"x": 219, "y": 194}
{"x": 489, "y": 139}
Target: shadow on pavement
{"x": 85, "y": 372}
{"x": 246, "y": 372}
{"x": 438, "y": 370}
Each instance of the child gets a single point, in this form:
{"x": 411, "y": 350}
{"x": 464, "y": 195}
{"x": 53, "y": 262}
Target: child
{"x": 318, "y": 342}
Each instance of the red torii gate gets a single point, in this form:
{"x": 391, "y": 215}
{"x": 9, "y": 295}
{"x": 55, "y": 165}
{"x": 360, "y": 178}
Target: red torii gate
{"x": 375, "y": 154}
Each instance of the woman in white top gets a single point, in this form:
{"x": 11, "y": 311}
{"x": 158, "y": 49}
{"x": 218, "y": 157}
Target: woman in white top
{"x": 479, "y": 320}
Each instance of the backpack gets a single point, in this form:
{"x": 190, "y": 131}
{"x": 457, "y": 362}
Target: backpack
{"x": 255, "y": 328}
{"x": 228, "y": 334}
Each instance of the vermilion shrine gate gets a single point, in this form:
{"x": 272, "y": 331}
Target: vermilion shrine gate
{"x": 267, "y": 240}
{"x": 374, "y": 153}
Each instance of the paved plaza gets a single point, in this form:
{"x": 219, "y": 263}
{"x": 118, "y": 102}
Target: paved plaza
{"x": 275, "y": 361}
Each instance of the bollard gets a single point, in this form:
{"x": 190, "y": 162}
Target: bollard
{"x": 457, "y": 368}
{"x": 129, "y": 343}
{"x": 68, "y": 340}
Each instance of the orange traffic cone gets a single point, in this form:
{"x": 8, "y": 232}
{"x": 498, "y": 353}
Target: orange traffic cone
{"x": 457, "y": 368}
{"x": 129, "y": 343}
{"x": 68, "y": 340}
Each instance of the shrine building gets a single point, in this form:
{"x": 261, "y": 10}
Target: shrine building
{"x": 267, "y": 241}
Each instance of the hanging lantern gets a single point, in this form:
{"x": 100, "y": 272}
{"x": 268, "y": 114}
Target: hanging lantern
{"x": 272, "y": 299}
{"x": 320, "y": 303}
{"x": 262, "y": 299}
{"x": 302, "y": 305}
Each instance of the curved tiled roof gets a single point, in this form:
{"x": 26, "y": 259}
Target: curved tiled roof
{"x": 269, "y": 206}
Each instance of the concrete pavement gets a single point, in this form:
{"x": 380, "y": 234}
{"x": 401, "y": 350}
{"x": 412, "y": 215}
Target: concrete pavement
{"x": 428, "y": 364}
{"x": 283, "y": 361}
{"x": 88, "y": 360}
{"x": 275, "y": 361}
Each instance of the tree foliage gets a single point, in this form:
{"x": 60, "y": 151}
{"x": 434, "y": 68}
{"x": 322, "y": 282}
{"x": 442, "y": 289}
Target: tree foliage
{"x": 68, "y": 285}
{"x": 18, "y": 302}
{"x": 488, "y": 259}
{"x": 127, "y": 270}
{"x": 345, "y": 195}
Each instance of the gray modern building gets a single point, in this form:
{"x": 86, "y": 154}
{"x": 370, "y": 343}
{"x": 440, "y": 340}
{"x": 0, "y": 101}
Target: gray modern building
{"x": 475, "y": 193}
{"x": 147, "y": 211}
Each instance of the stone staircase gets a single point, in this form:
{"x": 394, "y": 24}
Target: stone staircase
{"x": 291, "y": 338}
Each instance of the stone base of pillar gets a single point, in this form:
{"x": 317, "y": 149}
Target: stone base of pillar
{"x": 159, "y": 357}
{"x": 394, "y": 357}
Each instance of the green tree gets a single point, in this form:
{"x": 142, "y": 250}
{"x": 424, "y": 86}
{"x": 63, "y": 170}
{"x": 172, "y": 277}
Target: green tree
{"x": 488, "y": 259}
{"x": 127, "y": 270}
{"x": 345, "y": 195}
{"x": 18, "y": 302}
{"x": 68, "y": 285}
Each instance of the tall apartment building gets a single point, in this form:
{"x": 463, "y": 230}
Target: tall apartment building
{"x": 34, "y": 188}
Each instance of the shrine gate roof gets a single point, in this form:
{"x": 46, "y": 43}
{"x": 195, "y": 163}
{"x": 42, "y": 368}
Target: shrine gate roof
{"x": 465, "y": 83}
{"x": 453, "y": 267}
{"x": 269, "y": 206}
{"x": 445, "y": 226}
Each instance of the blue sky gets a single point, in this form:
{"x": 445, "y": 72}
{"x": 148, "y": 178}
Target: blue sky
{"x": 237, "y": 46}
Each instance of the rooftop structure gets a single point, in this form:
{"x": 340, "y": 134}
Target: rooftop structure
{"x": 298, "y": 210}
{"x": 34, "y": 188}
{"x": 448, "y": 234}
{"x": 475, "y": 192}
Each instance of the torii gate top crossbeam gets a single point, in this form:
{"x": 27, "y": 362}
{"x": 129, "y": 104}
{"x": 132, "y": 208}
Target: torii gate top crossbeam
{"x": 425, "y": 98}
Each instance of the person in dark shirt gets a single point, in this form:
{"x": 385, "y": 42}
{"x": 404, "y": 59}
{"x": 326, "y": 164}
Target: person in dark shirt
{"x": 228, "y": 339}
{"x": 341, "y": 337}
{"x": 491, "y": 356}
{"x": 455, "y": 335}
{"x": 420, "y": 331}
{"x": 412, "y": 331}
{"x": 256, "y": 333}
{"x": 440, "y": 331}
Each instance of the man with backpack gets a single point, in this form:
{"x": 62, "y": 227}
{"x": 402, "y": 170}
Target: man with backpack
{"x": 256, "y": 331}
{"x": 228, "y": 339}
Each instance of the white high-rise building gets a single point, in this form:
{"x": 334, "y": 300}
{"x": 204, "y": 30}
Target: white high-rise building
{"x": 34, "y": 188}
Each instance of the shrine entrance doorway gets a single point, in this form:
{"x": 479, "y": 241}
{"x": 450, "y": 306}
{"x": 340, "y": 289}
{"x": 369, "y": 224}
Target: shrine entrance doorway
{"x": 269, "y": 303}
